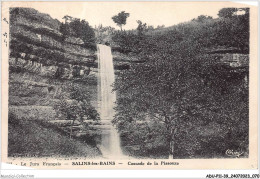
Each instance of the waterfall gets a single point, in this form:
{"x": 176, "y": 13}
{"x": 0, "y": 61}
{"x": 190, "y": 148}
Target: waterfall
{"x": 110, "y": 140}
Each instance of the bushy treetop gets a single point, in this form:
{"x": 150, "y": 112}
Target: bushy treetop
{"x": 120, "y": 18}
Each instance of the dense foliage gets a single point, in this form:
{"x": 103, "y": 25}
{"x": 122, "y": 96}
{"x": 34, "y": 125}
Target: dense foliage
{"x": 180, "y": 100}
{"x": 232, "y": 12}
{"x": 208, "y": 32}
{"x": 120, "y": 18}
{"x": 20, "y": 13}
{"x": 76, "y": 106}
{"x": 80, "y": 29}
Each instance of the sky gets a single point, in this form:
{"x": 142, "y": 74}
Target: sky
{"x": 152, "y": 13}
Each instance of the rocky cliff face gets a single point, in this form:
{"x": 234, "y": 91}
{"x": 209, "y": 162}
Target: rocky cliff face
{"x": 42, "y": 60}
{"x": 38, "y": 46}
{"x": 43, "y": 66}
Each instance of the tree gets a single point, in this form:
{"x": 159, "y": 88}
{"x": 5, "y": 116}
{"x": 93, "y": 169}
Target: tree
{"x": 88, "y": 34}
{"x": 141, "y": 28}
{"x": 70, "y": 111}
{"x": 64, "y": 29}
{"x": 150, "y": 27}
{"x": 82, "y": 96}
{"x": 78, "y": 107}
{"x": 155, "y": 90}
{"x": 160, "y": 27}
{"x": 83, "y": 30}
{"x": 120, "y": 18}
{"x": 128, "y": 41}
{"x": 231, "y": 12}
{"x": 202, "y": 18}
{"x": 78, "y": 28}
{"x": 227, "y": 12}
{"x": 233, "y": 30}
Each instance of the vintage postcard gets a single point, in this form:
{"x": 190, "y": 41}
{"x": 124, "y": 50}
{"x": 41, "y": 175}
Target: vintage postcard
{"x": 129, "y": 85}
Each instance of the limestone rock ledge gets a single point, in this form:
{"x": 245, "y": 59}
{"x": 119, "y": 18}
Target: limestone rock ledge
{"x": 36, "y": 41}
{"x": 42, "y": 62}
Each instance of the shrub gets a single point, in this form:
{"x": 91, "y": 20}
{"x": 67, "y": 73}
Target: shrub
{"x": 80, "y": 29}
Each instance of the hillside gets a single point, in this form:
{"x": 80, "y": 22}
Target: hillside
{"x": 44, "y": 140}
{"x": 188, "y": 96}
{"x": 44, "y": 68}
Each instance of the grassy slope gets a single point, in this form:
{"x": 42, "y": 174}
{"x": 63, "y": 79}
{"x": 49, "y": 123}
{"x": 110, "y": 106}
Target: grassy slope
{"x": 31, "y": 135}
{"x": 30, "y": 138}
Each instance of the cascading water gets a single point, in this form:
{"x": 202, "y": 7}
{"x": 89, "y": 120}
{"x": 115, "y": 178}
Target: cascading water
{"x": 110, "y": 140}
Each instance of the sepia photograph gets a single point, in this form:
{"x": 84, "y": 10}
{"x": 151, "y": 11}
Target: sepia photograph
{"x": 129, "y": 81}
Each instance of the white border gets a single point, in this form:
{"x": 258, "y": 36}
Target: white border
{"x": 18, "y": 171}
